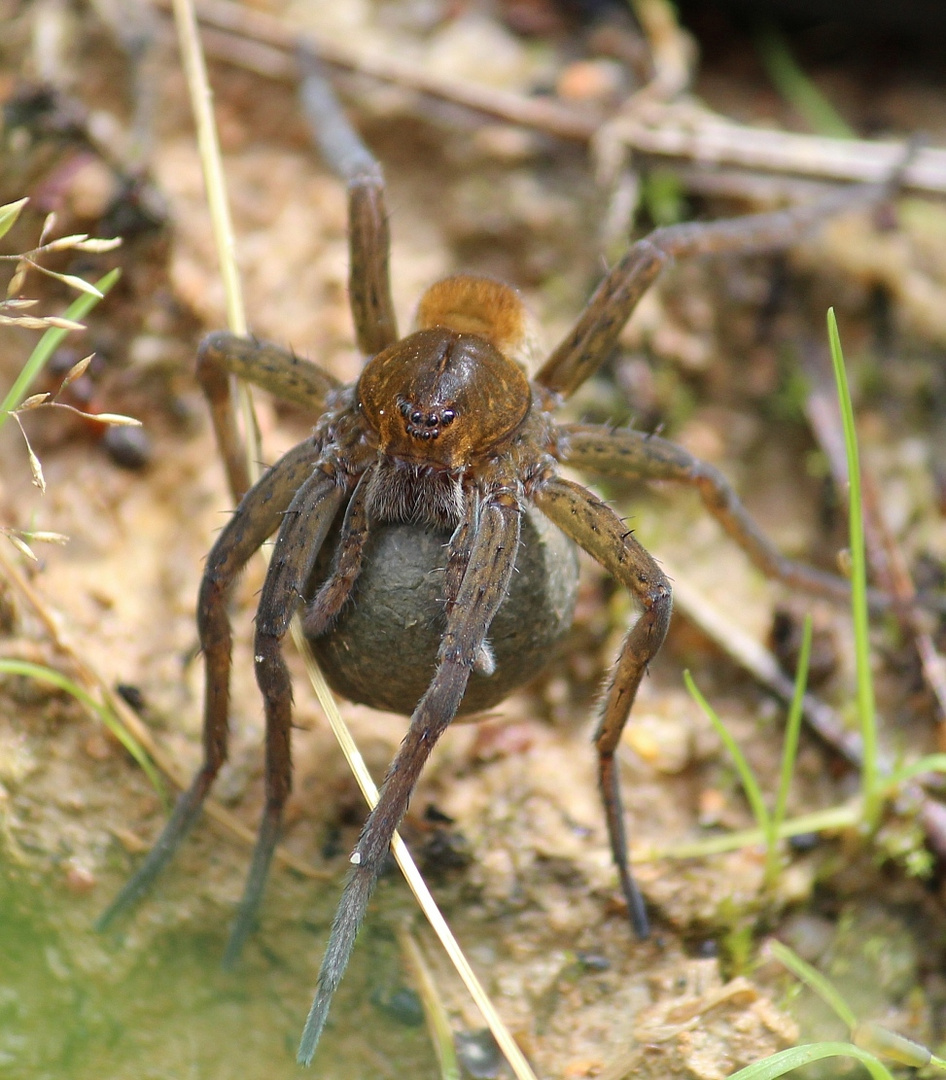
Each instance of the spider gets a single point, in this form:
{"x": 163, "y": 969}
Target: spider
{"x": 443, "y": 434}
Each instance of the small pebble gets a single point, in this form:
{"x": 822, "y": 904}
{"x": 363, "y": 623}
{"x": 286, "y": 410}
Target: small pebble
{"x": 803, "y": 842}
{"x": 593, "y": 961}
{"x": 402, "y": 1005}
{"x": 132, "y": 696}
{"x": 712, "y": 806}
{"x": 91, "y": 189}
{"x": 128, "y": 447}
{"x": 130, "y": 841}
{"x": 478, "y": 1053}
{"x": 79, "y": 879}
{"x": 477, "y": 49}
{"x": 98, "y": 747}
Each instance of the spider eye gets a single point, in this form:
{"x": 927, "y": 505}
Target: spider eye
{"x": 423, "y": 425}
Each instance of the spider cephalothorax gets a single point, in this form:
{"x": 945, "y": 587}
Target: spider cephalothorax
{"x": 441, "y": 461}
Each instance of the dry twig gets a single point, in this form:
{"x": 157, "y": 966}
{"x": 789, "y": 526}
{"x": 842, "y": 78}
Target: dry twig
{"x": 683, "y": 130}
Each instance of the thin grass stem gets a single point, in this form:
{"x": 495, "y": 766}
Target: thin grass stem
{"x": 211, "y": 162}
{"x": 931, "y": 763}
{"x": 786, "y": 1061}
{"x": 749, "y": 782}
{"x": 866, "y": 708}
{"x": 833, "y": 819}
{"x": 798, "y": 89}
{"x": 195, "y": 71}
{"x": 891, "y": 1045}
{"x": 815, "y": 981}
{"x": 866, "y": 1036}
{"x": 435, "y": 1012}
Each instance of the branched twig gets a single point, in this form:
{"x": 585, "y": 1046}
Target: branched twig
{"x": 683, "y": 130}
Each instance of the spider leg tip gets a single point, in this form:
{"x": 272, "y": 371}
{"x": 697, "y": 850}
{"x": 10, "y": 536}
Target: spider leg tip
{"x": 312, "y": 1032}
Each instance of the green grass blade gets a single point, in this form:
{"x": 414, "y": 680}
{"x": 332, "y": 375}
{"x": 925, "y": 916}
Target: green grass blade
{"x": 931, "y": 763}
{"x": 833, "y": 819}
{"x": 797, "y": 89}
{"x": 49, "y": 342}
{"x": 435, "y": 1011}
{"x": 785, "y": 1061}
{"x": 814, "y": 980}
{"x": 866, "y": 708}
{"x": 747, "y": 777}
{"x": 876, "y": 1039}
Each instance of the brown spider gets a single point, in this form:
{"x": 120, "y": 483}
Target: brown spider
{"x": 445, "y": 433}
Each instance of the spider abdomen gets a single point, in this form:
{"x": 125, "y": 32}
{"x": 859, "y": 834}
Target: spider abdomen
{"x": 383, "y": 648}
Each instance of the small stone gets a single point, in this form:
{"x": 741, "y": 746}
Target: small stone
{"x": 98, "y": 747}
{"x": 79, "y": 879}
{"x": 712, "y": 807}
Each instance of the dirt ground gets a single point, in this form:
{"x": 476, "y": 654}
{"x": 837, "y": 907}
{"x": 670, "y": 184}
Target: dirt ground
{"x": 711, "y": 359}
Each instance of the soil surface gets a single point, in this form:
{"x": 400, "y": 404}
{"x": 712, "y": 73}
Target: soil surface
{"x": 507, "y": 818}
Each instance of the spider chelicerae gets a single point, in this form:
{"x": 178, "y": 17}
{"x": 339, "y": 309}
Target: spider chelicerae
{"x": 442, "y": 435}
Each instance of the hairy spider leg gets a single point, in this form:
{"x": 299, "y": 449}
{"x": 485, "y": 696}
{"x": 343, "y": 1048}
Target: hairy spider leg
{"x": 458, "y": 555}
{"x": 260, "y": 514}
{"x": 594, "y": 336}
{"x": 369, "y": 282}
{"x": 482, "y": 590}
{"x": 334, "y": 592}
{"x": 594, "y": 526}
{"x": 270, "y": 367}
{"x": 222, "y": 356}
{"x": 457, "y": 559}
{"x": 633, "y": 454}
{"x": 304, "y": 527}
